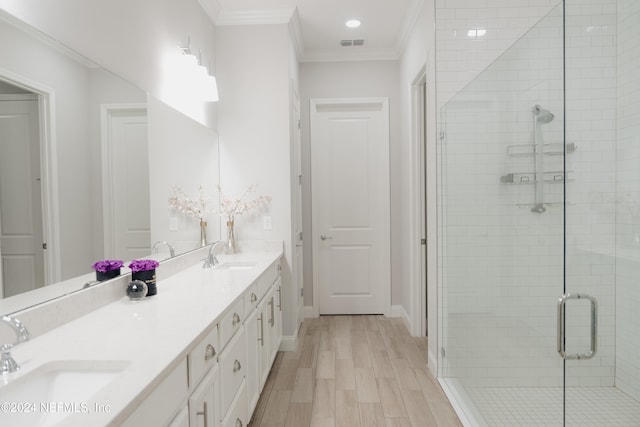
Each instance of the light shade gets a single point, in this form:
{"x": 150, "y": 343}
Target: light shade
{"x": 210, "y": 89}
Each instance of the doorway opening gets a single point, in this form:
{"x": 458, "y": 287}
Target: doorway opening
{"x": 26, "y": 227}
{"x": 419, "y": 199}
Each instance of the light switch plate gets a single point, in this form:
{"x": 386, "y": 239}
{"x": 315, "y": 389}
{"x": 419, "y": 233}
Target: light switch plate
{"x": 267, "y": 222}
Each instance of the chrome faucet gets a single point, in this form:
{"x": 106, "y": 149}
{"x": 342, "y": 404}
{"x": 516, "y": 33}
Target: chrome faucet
{"x": 211, "y": 260}
{"x": 172, "y": 251}
{"x": 7, "y": 364}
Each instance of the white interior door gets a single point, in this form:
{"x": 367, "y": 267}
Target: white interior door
{"x": 350, "y": 196}
{"x": 126, "y": 177}
{"x": 21, "y": 238}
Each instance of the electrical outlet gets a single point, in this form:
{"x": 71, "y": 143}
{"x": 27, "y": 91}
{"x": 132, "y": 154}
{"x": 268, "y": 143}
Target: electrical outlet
{"x": 173, "y": 223}
{"x": 267, "y": 222}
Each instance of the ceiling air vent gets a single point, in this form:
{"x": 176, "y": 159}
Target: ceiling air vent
{"x": 349, "y": 43}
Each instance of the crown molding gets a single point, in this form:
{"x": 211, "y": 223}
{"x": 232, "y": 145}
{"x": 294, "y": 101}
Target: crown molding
{"x": 212, "y": 8}
{"x": 295, "y": 31}
{"x": 254, "y": 17}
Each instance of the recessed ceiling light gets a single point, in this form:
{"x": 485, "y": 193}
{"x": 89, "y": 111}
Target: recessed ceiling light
{"x": 352, "y": 23}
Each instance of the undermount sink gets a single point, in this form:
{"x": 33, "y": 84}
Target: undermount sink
{"x": 235, "y": 265}
{"x": 55, "y": 390}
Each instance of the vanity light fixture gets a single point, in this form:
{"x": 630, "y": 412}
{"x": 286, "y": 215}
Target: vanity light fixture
{"x": 197, "y": 76}
{"x": 352, "y": 23}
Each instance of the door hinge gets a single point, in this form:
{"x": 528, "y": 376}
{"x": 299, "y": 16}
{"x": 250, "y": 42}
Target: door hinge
{"x": 298, "y": 124}
{"x": 301, "y": 292}
{"x": 300, "y": 179}
{"x": 442, "y": 352}
{"x": 423, "y": 241}
{"x": 44, "y": 246}
{"x": 300, "y": 236}
{"x": 442, "y": 135}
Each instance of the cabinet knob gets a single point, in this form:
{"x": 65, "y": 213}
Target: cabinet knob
{"x": 236, "y": 319}
{"x": 238, "y": 422}
{"x": 209, "y": 352}
{"x": 254, "y": 297}
{"x": 236, "y": 366}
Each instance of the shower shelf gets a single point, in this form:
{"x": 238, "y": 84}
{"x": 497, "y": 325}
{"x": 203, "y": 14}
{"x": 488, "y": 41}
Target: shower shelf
{"x": 528, "y": 205}
{"x": 551, "y": 149}
{"x": 549, "y": 177}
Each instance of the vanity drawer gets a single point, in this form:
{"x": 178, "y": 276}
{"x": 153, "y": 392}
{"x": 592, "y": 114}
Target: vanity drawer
{"x": 203, "y": 357}
{"x": 231, "y": 321}
{"x": 267, "y": 278}
{"x": 237, "y": 415}
{"x": 233, "y": 365}
{"x": 251, "y": 298}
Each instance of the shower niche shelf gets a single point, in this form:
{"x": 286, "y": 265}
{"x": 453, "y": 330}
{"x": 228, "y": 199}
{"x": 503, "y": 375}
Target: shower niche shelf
{"x": 549, "y": 177}
{"x": 529, "y": 150}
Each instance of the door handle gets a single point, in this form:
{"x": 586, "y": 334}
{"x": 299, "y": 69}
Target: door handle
{"x": 325, "y": 237}
{"x": 561, "y": 327}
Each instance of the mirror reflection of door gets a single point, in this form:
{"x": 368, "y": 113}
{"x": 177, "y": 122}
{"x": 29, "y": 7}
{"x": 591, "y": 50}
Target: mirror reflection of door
{"x": 21, "y": 220}
{"x": 125, "y": 181}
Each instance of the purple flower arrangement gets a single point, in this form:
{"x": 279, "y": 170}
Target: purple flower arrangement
{"x": 145, "y": 270}
{"x": 107, "y": 265}
{"x": 107, "y": 269}
{"x": 143, "y": 265}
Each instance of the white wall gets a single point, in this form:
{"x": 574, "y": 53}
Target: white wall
{"x": 418, "y": 57}
{"x": 181, "y": 153}
{"x": 254, "y": 74}
{"x": 353, "y": 80}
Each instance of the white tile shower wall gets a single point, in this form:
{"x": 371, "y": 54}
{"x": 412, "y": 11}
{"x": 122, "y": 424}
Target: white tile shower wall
{"x": 628, "y": 198}
{"x": 462, "y": 52}
{"x": 502, "y": 265}
{"x": 590, "y": 38}
{"x": 501, "y": 259}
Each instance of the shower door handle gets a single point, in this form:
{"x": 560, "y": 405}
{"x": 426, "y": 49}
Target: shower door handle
{"x": 561, "y": 327}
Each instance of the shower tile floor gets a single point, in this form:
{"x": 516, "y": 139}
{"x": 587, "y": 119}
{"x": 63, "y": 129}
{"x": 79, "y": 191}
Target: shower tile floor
{"x": 596, "y": 406}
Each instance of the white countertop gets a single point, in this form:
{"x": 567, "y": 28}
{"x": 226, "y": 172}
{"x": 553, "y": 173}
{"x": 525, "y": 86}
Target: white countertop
{"x": 151, "y": 336}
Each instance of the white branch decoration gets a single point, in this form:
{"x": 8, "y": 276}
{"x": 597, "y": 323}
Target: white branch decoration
{"x": 232, "y": 207}
{"x": 196, "y": 208}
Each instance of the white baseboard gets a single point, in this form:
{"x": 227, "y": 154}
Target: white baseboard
{"x": 433, "y": 364}
{"x": 399, "y": 311}
{"x": 308, "y": 312}
{"x": 289, "y": 343}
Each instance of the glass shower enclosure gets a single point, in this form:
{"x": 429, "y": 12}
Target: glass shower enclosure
{"x": 539, "y": 212}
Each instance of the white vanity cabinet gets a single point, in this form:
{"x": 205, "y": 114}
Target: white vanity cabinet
{"x": 264, "y": 332}
{"x": 218, "y": 383}
{"x": 203, "y": 408}
{"x": 253, "y": 333}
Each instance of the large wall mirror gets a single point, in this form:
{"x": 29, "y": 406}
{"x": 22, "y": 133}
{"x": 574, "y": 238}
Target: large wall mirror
{"x": 87, "y": 164}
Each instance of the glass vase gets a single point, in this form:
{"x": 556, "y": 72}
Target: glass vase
{"x": 149, "y": 278}
{"x": 231, "y": 239}
{"x": 203, "y": 233}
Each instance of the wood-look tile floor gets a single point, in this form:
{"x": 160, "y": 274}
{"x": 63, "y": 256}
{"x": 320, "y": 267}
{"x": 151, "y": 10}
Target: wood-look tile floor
{"x": 352, "y": 371}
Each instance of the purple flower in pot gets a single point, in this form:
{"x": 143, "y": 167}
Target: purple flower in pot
{"x": 107, "y": 269}
{"x": 145, "y": 270}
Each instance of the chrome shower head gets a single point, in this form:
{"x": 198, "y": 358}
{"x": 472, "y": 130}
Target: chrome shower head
{"x": 542, "y": 116}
